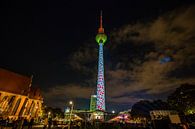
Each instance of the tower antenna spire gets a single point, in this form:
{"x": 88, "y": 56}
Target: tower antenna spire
{"x": 101, "y": 19}
{"x": 101, "y": 29}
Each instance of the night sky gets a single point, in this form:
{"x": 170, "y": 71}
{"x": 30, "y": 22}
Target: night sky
{"x": 150, "y": 49}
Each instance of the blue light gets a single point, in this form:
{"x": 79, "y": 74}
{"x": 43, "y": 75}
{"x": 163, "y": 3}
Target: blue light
{"x": 165, "y": 59}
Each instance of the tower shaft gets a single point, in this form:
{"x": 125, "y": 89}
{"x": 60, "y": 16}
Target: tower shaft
{"x": 100, "y": 82}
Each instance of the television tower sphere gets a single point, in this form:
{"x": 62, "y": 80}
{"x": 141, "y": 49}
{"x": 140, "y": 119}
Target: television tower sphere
{"x": 101, "y": 38}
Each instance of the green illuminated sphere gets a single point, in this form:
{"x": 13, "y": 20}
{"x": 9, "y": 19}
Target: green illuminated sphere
{"x": 101, "y": 38}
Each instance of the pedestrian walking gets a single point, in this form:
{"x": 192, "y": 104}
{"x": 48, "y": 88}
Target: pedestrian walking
{"x": 31, "y": 123}
{"x": 20, "y": 123}
{"x": 49, "y": 123}
{"x": 45, "y": 123}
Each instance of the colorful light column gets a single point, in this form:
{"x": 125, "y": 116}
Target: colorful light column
{"x": 101, "y": 39}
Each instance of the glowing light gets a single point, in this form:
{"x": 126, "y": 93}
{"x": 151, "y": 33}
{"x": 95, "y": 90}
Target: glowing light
{"x": 165, "y": 60}
{"x": 101, "y": 38}
{"x": 70, "y": 102}
{"x": 67, "y": 110}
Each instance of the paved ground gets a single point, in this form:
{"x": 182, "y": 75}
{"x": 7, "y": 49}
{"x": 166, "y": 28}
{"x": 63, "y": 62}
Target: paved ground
{"x": 41, "y": 126}
{"x": 34, "y": 127}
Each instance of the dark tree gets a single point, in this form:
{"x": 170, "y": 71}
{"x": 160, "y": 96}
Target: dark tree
{"x": 183, "y": 99}
{"x": 143, "y": 107}
{"x": 54, "y": 112}
{"x": 58, "y": 113}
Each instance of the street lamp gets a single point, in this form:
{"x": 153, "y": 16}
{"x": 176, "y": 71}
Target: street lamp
{"x": 70, "y": 102}
{"x": 113, "y": 111}
{"x": 72, "y": 105}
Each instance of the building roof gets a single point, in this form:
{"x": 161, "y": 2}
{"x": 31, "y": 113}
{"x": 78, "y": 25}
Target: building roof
{"x": 13, "y": 82}
{"x": 18, "y": 84}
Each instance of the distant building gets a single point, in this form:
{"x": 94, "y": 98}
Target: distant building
{"x": 160, "y": 114}
{"x": 93, "y": 103}
{"x": 17, "y": 97}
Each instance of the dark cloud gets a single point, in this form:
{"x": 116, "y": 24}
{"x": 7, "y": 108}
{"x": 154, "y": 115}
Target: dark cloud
{"x": 82, "y": 58}
{"x": 62, "y": 94}
{"x": 70, "y": 91}
{"x": 172, "y": 35}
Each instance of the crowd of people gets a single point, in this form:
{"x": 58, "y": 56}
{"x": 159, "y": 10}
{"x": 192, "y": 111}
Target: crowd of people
{"x": 116, "y": 125}
{"x": 48, "y": 123}
{"x": 16, "y": 123}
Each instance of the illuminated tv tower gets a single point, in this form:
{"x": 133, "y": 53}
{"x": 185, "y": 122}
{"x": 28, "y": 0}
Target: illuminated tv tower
{"x": 101, "y": 40}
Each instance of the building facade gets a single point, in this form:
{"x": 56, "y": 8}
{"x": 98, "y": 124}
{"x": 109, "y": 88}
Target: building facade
{"x": 17, "y": 97}
{"x": 93, "y": 103}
